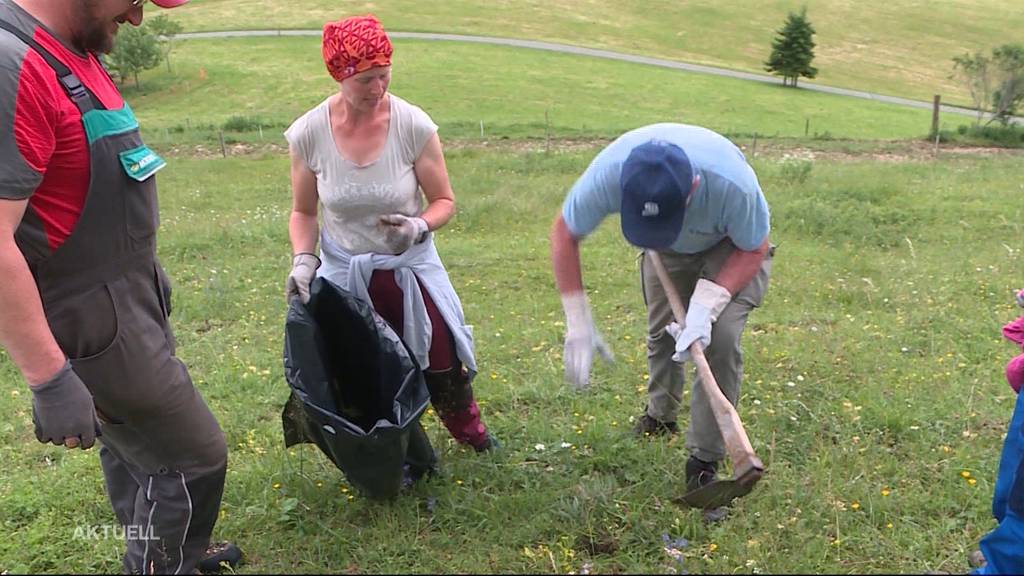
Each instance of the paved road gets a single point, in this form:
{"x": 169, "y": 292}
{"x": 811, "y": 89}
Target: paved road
{"x": 568, "y": 49}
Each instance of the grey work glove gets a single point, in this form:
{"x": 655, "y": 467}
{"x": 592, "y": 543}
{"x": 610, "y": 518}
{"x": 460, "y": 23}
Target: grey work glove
{"x": 581, "y": 339}
{"x": 401, "y": 232}
{"x": 304, "y": 267}
{"x": 63, "y": 411}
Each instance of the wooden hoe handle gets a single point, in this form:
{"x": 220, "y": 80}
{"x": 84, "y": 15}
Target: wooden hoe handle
{"x": 728, "y": 420}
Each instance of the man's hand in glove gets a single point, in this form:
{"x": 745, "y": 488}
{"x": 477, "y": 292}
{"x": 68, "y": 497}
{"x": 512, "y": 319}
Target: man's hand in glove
{"x": 708, "y": 301}
{"x": 63, "y": 411}
{"x": 581, "y": 339}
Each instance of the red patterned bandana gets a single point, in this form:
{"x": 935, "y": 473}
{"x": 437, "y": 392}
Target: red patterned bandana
{"x": 354, "y": 45}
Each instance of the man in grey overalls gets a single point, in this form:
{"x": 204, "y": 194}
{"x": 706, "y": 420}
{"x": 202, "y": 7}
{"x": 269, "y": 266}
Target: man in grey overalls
{"x": 689, "y": 194}
{"x": 84, "y": 303}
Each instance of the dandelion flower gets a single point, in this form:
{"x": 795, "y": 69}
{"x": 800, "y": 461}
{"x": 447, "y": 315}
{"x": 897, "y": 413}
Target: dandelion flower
{"x": 712, "y": 547}
{"x": 277, "y": 485}
{"x": 965, "y": 474}
{"x": 855, "y": 505}
{"x": 972, "y": 481}
{"x": 885, "y": 491}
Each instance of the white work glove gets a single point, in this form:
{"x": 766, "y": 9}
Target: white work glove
{"x": 401, "y": 232}
{"x": 63, "y": 411}
{"x": 304, "y": 267}
{"x": 707, "y": 302}
{"x": 581, "y": 339}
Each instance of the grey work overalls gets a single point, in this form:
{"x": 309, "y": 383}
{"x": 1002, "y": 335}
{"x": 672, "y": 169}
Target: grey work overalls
{"x": 107, "y": 301}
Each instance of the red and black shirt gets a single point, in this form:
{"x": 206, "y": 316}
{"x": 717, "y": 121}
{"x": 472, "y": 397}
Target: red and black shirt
{"x": 44, "y": 153}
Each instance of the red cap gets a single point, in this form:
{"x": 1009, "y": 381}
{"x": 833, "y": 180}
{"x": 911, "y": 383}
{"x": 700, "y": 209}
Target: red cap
{"x": 169, "y": 3}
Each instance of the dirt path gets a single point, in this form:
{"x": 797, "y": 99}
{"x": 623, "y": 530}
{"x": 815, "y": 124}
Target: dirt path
{"x": 776, "y": 150}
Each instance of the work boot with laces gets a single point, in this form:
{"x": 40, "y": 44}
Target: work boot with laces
{"x": 699, "y": 474}
{"x": 220, "y": 556}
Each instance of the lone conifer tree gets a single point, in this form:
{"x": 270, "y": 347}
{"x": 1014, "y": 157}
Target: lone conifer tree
{"x": 793, "y": 50}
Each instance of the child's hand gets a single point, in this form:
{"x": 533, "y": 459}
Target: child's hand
{"x": 1020, "y": 298}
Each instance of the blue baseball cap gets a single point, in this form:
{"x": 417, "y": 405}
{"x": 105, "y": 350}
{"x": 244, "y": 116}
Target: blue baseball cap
{"x": 656, "y": 179}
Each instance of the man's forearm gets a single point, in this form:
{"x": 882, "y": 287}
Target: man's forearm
{"x": 565, "y": 258}
{"x": 24, "y": 332}
{"x": 740, "y": 268}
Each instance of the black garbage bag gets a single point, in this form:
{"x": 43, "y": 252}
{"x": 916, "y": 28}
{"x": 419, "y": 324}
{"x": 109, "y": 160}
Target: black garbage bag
{"x": 356, "y": 391}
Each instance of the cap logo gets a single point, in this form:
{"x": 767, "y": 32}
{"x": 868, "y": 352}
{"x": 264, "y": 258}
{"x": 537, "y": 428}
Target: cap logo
{"x": 650, "y": 209}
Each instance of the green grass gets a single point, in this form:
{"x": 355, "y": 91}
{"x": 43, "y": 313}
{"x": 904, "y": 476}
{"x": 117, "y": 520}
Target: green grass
{"x": 875, "y": 364}
{"x": 900, "y": 48}
{"x": 277, "y": 79}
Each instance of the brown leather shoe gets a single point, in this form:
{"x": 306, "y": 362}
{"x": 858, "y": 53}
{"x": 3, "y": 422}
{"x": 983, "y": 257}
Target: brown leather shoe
{"x": 646, "y": 427}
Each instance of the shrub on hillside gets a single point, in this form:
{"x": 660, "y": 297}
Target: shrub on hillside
{"x": 246, "y": 124}
{"x": 793, "y": 170}
{"x": 1011, "y": 136}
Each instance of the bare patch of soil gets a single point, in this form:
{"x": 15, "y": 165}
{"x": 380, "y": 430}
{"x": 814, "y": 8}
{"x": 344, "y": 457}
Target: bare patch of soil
{"x": 826, "y": 151}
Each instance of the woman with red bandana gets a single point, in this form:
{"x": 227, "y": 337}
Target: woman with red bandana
{"x": 364, "y": 154}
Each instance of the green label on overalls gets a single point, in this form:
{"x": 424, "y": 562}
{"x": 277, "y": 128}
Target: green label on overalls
{"x": 141, "y": 163}
{"x": 102, "y": 123}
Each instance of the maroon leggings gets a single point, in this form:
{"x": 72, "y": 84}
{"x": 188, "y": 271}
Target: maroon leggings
{"x": 387, "y": 299}
{"x": 450, "y": 390}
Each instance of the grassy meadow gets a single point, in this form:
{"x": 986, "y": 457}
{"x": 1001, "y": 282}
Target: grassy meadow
{"x": 874, "y": 383}
{"x": 531, "y": 95}
{"x": 874, "y": 388}
{"x": 897, "y": 48}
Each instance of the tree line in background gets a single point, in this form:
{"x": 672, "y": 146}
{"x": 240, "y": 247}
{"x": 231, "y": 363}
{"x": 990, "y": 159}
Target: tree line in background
{"x": 142, "y": 47}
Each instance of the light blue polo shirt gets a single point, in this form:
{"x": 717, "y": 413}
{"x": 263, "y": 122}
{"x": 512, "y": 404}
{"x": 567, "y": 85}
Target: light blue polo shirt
{"x": 727, "y": 204}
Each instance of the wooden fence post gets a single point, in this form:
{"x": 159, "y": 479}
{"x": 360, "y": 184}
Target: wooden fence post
{"x": 547, "y": 133}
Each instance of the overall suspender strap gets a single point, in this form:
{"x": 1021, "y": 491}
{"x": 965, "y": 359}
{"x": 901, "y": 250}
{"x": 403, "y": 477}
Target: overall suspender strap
{"x": 79, "y": 94}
